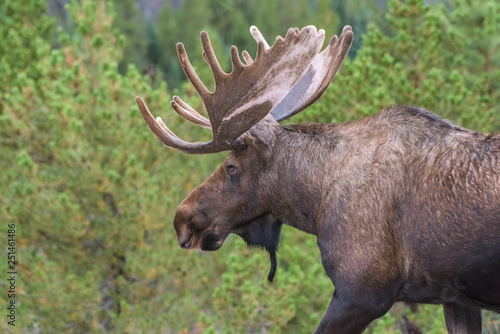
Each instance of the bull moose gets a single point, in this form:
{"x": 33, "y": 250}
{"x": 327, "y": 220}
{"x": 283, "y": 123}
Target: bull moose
{"x": 405, "y": 205}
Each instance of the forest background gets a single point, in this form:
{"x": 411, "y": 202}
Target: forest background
{"x": 92, "y": 193}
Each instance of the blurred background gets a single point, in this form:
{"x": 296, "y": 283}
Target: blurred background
{"x": 93, "y": 193}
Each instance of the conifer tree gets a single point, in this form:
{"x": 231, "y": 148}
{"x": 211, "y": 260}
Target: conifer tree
{"x": 24, "y": 29}
{"x": 129, "y": 21}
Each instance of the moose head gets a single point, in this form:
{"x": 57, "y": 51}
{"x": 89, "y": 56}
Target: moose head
{"x": 244, "y": 111}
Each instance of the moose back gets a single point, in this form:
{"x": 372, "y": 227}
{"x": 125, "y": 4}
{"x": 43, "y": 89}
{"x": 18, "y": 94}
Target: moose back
{"x": 405, "y": 205}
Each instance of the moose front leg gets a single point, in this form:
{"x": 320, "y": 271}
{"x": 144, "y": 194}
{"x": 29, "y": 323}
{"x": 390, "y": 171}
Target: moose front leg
{"x": 366, "y": 279}
{"x": 350, "y": 315}
{"x": 462, "y": 319}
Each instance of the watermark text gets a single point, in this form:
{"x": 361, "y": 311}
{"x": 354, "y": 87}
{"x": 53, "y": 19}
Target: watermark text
{"x": 11, "y": 274}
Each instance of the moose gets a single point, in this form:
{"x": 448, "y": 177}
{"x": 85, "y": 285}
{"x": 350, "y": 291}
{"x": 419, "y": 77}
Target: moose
{"x": 405, "y": 205}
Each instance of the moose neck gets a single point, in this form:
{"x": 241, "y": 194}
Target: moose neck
{"x": 300, "y": 173}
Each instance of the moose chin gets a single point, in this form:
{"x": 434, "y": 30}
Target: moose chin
{"x": 405, "y": 205}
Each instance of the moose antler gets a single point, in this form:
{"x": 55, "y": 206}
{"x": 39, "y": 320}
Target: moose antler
{"x": 313, "y": 84}
{"x": 246, "y": 95}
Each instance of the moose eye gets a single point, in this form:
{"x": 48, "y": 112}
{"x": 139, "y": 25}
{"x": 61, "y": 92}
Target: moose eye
{"x": 231, "y": 169}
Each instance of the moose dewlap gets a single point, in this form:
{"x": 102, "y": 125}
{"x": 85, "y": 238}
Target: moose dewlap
{"x": 405, "y": 205}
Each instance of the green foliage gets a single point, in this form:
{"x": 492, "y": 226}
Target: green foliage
{"x": 93, "y": 193}
{"x": 24, "y": 29}
{"x": 129, "y": 21}
{"x": 357, "y": 14}
{"x": 172, "y": 28}
{"x": 84, "y": 189}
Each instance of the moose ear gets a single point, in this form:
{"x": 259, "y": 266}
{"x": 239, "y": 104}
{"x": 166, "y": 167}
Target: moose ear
{"x": 263, "y": 133}
{"x": 264, "y": 232}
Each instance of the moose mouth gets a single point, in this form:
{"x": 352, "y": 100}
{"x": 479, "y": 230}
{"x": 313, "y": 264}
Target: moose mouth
{"x": 207, "y": 242}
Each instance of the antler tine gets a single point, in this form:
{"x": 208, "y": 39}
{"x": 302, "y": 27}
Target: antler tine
{"x": 247, "y": 57}
{"x": 262, "y": 44}
{"x": 167, "y": 137}
{"x": 190, "y": 73}
{"x": 210, "y": 58}
{"x": 184, "y": 110}
{"x": 161, "y": 131}
{"x": 345, "y": 41}
{"x": 258, "y": 36}
{"x": 235, "y": 59}
{"x": 291, "y": 33}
